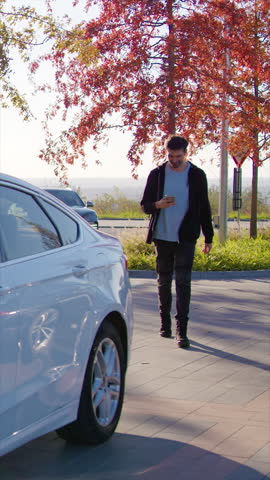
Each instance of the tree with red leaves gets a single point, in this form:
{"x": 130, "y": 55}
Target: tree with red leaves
{"x": 157, "y": 66}
{"x": 146, "y": 68}
{"x": 243, "y": 28}
{"x": 250, "y": 91}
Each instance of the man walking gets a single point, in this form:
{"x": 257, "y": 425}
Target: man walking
{"x": 176, "y": 196}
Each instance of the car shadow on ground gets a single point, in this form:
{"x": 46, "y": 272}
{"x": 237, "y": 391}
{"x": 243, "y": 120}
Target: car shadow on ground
{"x": 124, "y": 457}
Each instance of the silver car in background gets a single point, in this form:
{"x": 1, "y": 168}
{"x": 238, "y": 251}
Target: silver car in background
{"x": 65, "y": 321}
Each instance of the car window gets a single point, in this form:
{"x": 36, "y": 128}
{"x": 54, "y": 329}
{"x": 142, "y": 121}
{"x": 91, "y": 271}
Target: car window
{"x": 69, "y": 197}
{"x": 25, "y": 227}
{"x": 67, "y": 228}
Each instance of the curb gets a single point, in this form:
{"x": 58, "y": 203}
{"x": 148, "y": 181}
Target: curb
{"x": 218, "y": 275}
{"x": 229, "y": 219}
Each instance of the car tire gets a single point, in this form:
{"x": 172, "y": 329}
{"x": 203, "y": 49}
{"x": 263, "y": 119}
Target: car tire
{"x": 102, "y": 392}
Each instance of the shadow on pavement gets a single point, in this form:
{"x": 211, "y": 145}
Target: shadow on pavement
{"x": 200, "y": 347}
{"x": 123, "y": 457}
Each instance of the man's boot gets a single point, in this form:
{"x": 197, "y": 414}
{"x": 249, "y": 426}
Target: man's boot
{"x": 165, "y": 328}
{"x": 181, "y": 334}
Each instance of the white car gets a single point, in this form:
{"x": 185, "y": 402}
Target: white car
{"x": 65, "y": 321}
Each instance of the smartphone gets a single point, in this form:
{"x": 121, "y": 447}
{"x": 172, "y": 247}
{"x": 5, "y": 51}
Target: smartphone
{"x": 170, "y": 198}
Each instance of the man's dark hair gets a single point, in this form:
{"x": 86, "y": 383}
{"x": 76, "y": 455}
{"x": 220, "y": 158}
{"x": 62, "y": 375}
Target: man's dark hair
{"x": 175, "y": 142}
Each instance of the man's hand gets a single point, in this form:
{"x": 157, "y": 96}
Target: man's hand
{"x": 165, "y": 202}
{"x": 207, "y": 247}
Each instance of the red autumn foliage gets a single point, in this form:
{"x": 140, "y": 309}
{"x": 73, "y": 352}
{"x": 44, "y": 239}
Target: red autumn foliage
{"x": 159, "y": 67}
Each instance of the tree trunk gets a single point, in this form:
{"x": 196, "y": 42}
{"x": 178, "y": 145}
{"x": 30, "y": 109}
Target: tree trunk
{"x": 223, "y": 195}
{"x": 171, "y": 70}
{"x": 256, "y": 151}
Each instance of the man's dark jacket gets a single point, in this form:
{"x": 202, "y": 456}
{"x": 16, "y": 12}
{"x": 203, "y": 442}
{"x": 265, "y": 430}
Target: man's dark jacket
{"x": 198, "y": 215}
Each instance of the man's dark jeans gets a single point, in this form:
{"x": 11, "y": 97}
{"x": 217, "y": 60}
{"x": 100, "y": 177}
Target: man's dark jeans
{"x": 174, "y": 257}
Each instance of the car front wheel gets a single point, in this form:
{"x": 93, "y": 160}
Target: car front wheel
{"x": 102, "y": 393}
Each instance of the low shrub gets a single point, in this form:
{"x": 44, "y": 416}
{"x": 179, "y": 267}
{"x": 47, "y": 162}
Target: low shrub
{"x": 239, "y": 253}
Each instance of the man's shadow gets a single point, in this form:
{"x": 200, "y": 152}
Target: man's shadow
{"x": 200, "y": 347}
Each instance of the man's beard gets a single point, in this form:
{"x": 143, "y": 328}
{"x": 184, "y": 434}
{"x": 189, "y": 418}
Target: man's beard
{"x": 176, "y": 163}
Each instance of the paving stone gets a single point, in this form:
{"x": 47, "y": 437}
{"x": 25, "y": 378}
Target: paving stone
{"x": 225, "y": 411}
{"x": 192, "y": 367}
{"x": 262, "y": 467}
{"x": 241, "y": 395}
{"x": 216, "y": 467}
{"x": 213, "y": 392}
{"x": 185, "y": 430}
{"x": 213, "y": 373}
{"x": 183, "y": 389}
{"x": 157, "y": 405}
{"x": 154, "y": 425}
{"x": 250, "y": 375}
{"x": 129, "y": 421}
{"x": 263, "y": 454}
{"x": 246, "y": 472}
{"x": 215, "y": 435}
{"x": 262, "y": 416}
{"x": 260, "y": 402}
{"x": 149, "y": 387}
{"x": 245, "y": 442}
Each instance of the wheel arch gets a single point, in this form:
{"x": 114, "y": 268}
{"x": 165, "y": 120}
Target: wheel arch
{"x": 116, "y": 319}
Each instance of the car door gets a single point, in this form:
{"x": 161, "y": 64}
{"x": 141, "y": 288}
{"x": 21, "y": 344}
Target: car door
{"x": 9, "y": 345}
{"x": 53, "y": 299}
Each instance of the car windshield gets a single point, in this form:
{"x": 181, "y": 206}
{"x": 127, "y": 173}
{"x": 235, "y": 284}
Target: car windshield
{"x": 69, "y": 197}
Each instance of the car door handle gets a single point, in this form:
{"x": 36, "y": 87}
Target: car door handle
{"x": 79, "y": 270}
{"x": 4, "y": 288}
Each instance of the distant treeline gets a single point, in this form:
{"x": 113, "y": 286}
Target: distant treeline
{"x": 118, "y": 204}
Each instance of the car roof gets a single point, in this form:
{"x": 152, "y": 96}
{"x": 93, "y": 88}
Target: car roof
{"x": 22, "y": 183}
{"x": 19, "y": 182}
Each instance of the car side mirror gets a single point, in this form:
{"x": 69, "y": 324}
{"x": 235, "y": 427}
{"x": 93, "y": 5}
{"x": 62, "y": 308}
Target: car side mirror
{"x": 89, "y": 204}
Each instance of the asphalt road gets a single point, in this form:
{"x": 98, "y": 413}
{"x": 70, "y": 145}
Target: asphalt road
{"x": 104, "y": 224}
{"x": 116, "y": 227}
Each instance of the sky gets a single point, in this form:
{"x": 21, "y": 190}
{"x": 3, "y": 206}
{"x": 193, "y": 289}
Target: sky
{"x": 20, "y": 141}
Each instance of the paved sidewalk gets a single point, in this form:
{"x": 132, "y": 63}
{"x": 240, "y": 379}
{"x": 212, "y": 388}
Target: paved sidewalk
{"x": 190, "y": 415}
